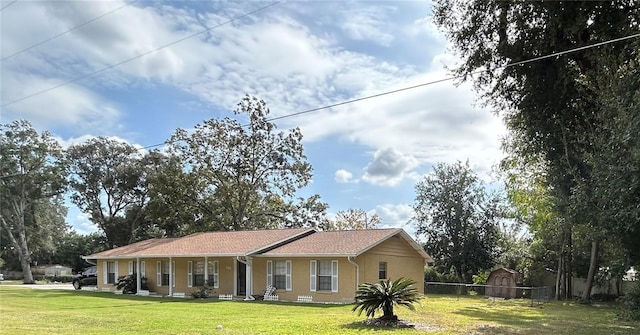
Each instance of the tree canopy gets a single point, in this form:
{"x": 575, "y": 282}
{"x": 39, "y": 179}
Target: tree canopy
{"x": 554, "y": 107}
{"x": 247, "y": 175}
{"x": 458, "y": 218}
{"x": 32, "y": 175}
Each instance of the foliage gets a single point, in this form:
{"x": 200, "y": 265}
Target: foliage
{"x": 384, "y": 295}
{"x": 354, "y": 219}
{"x": 108, "y": 183}
{"x": 246, "y": 176}
{"x": 556, "y": 108}
{"x": 431, "y": 274}
{"x": 481, "y": 277}
{"x": 129, "y": 284}
{"x": 458, "y": 218}
{"x": 171, "y": 210}
{"x": 71, "y": 246}
{"x": 629, "y": 308}
{"x": 33, "y": 173}
{"x": 202, "y": 292}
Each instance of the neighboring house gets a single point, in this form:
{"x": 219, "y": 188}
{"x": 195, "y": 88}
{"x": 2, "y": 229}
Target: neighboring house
{"x": 503, "y": 283}
{"x": 328, "y": 266}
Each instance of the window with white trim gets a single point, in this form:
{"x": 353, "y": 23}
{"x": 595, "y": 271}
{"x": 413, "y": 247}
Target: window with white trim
{"x": 132, "y": 267}
{"x": 382, "y": 270}
{"x": 195, "y": 274}
{"x": 143, "y": 270}
{"x": 213, "y": 274}
{"x": 110, "y": 272}
{"x": 279, "y": 274}
{"x": 163, "y": 270}
{"x": 324, "y": 275}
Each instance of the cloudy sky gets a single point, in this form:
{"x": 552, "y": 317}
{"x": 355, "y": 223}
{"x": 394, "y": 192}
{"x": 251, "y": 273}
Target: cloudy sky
{"x": 102, "y": 79}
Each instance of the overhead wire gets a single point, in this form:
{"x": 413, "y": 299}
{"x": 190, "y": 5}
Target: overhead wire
{"x": 10, "y": 3}
{"x": 236, "y": 18}
{"x": 346, "y": 102}
{"x": 67, "y": 31}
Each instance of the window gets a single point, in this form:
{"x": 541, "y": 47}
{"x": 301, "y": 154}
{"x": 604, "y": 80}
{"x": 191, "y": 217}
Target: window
{"x": 109, "y": 272}
{"x": 213, "y": 274}
{"x": 198, "y": 274}
{"x": 382, "y": 270}
{"x": 279, "y": 274}
{"x": 132, "y": 267}
{"x": 163, "y": 270}
{"x": 324, "y": 275}
{"x": 143, "y": 270}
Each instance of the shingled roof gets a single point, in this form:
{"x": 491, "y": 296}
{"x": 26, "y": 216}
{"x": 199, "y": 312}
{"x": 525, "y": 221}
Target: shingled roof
{"x": 229, "y": 243}
{"x": 341, "y": 243}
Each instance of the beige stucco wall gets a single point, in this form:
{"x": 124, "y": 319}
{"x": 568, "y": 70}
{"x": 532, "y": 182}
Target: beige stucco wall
{"x": 226, "y": 270}
{"x": 402, "y": 261}
{"x": 301, "y": 277}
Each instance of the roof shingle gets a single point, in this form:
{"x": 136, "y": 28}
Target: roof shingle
{"x": 228, "y": 243}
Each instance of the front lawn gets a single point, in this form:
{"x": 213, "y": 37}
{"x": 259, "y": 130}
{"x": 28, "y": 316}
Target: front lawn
{"x": 28, "y": 311}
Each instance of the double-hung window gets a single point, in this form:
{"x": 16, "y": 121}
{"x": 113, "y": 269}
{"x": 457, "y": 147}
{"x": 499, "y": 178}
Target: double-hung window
{"x": 109, "y": 272}
{"x": 163, "y": 271}
{"x": 195, "y": 274}
{"x": 324, "y": 275}
{"x": 382, "y": 270}
{"x": 279, "y": 274}
{"x": 213, "y": 274}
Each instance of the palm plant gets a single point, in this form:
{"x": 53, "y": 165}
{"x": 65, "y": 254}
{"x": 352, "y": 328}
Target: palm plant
{"x": 384, "y": 295}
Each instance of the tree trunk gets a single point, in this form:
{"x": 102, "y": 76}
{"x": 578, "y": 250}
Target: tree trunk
{"x": 21, "y": 249}
{"x": 569, "y": 263}
{"x": 559, "y": 278}
{"x": 593, "y": 267}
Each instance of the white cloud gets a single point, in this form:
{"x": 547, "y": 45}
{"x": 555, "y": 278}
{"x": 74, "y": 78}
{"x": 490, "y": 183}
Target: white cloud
{"x": 397, "y": 216}
{"x": 389, "y": 167}
{"x": 368, "y": 24}
{"x": 343, "y": 176}
{"x": 71, "y": 105}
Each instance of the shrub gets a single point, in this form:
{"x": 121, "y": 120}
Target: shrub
{"x": 384, "y": 295}
{"x": 432, "y": 275}
{"x": 202, "y": 292}
{"x": 129, "y": 285}
{"x": 629, "y": 308}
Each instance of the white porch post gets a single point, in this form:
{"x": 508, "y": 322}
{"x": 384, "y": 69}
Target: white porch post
{"x": 206, "y": 270}
{"x": 138, "y": 280}
{"x": 248, "y": 279}
{"x": 171, "y": 279}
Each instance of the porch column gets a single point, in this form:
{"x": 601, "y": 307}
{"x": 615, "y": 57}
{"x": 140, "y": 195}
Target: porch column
{"x": 171, "y": 279}
{"x": 206, "y": 270}
{"x": 249, "y": 280}
{"x": 138, "y": 280}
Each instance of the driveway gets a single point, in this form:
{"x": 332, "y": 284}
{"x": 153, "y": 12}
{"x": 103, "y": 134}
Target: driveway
{"x": 65, "y": 286}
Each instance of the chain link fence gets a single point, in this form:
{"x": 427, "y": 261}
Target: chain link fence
{"x": 537, "y": 295}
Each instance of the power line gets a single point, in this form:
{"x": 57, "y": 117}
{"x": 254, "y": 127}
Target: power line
{"x": 346, "y": 102}
{"x": 10, "y": 3}
{"x": 66, "y": 31}
{"x": 141, "y": 55}
{"x": 453, "y": 77}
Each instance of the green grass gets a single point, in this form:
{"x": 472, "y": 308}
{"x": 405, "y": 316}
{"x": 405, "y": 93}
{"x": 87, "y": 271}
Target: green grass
{"x": 28, "y": 311}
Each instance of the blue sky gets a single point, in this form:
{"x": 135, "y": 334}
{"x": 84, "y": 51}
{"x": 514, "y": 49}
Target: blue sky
{"x": 295, "y": 55}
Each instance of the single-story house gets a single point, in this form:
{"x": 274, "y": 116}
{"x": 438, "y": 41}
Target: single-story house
{"x": 326, "y": 266}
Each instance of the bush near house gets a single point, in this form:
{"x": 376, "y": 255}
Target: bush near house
{"x": 129, "y": 285}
